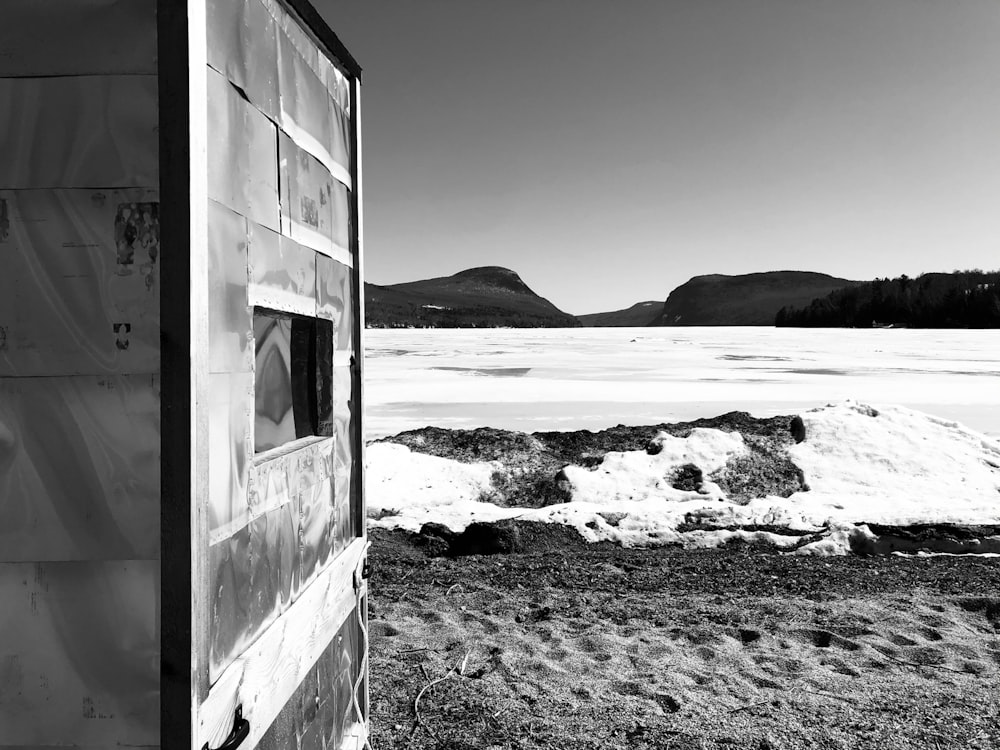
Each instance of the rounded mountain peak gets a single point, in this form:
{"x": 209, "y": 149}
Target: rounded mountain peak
{"x": 496, "y": 277}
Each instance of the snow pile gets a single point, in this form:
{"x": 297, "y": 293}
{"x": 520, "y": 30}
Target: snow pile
{"x": 399, "y": 480}
{"x": 645, "y": 475}
{"x": 896, "y": 466}
{"x": 889, "y": 465}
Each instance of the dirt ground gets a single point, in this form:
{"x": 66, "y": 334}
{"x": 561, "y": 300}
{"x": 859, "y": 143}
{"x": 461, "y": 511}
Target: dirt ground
{"x": 569, "y": 645}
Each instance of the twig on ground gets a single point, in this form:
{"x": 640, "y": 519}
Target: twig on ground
{"x": 503, "y": 710}
{"x": 830, "y": 695}
{"x": 416, "y": 704}
{"x": 918, "y": 665}
{"x": 465, "y": 661}
{"x": 452, "y": 588}
{"x": 458, "y": 668}
{"x": 748, "y": 706}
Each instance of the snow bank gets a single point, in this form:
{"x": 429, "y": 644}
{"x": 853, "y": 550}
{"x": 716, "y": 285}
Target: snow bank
{"x": 645, "y": 475}
{"x": 888, "y": 465}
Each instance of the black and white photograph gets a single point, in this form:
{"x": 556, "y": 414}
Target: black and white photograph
{"x": 468, "y": 375}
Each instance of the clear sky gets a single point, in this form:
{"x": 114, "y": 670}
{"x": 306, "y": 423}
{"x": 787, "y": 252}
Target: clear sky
{"x": 608, "y": 151}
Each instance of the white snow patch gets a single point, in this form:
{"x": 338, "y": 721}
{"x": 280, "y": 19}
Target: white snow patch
{"x": 637, "y": 475}
{"x": 899, "y": 467}
{"x": 889, "y": 465}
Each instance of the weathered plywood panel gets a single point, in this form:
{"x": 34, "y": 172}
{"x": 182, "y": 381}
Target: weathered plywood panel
{"x": 110, "y": 141}
{"x": 80, "y": 289}
{"x": 321, "y": 713}
{"x": 79, "y": 653}
{"x": 79, "y": 468}
{"x": 77, "y": 37}
{"x": 268, "y": 673}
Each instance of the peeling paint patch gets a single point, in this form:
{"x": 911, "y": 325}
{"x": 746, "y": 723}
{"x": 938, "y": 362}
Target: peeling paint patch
{"x": 122, "y": 330}
{"x": 137, "y": 229}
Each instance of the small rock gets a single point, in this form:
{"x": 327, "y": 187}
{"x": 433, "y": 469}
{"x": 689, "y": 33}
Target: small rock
{"x": 480, "y": 538}
{"x": 798, "y": 428}
{"x": 687, "y": 478}
{"x": 668, "y": 702}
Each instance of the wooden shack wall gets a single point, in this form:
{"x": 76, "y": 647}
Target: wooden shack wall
{"x": 285, "y": 527}
{"x": 127, "y": 375}
{"x": 79, "y": 374}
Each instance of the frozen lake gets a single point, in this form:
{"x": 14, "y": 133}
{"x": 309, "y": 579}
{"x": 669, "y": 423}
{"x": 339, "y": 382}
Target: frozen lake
{"x": 564, "y": 379}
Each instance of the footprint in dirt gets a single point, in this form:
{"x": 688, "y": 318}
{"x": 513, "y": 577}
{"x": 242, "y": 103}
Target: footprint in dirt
{"x": 748, "y": 636}
{"x": 380, "y": 628}
{"x": 826, "y": 639}
{"x": 931, "y": 634}
{"x": 706, "y": 652}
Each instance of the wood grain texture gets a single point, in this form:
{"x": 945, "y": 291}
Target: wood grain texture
{"x": 269, "y": 671}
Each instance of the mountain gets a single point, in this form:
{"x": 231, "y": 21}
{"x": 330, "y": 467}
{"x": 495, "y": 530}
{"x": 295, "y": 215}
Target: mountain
{"x": 640, "y": 314}
{"x": 962, "y": 299}
{"x": 752, "y": 299}
{"x": 486, "y": 297}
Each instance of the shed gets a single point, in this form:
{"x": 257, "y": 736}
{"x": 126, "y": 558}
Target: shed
{"x": 182, "y": 537}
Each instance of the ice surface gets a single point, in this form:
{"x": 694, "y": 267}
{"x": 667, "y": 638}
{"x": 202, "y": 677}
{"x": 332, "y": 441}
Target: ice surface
{"x": 598, "y": 377}
{"x": 887, "y": 464}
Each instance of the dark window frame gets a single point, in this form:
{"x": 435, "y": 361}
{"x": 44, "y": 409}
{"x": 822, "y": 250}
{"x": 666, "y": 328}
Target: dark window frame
{"x": 310, "y": 375}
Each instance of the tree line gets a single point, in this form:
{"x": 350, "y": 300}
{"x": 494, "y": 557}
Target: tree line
{"x": 961, "y": 299}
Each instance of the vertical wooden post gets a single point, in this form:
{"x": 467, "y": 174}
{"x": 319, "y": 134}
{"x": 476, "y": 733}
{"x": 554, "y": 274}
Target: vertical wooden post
{"x": 183, "y": 313}
{"x": 359, "y": 276}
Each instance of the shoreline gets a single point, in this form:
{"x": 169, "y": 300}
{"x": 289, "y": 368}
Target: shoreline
{"x": 846, "y": 480}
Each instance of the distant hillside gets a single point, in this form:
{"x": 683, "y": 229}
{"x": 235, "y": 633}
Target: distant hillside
{"x": 752, "y": 299}
{"x": 640, "y": 314}
{"x": 487, "y": 297}
{"x": 963, "y": 299}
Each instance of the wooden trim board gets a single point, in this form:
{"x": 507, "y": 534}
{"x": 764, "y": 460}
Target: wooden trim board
{"x": 268, "y": 672}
